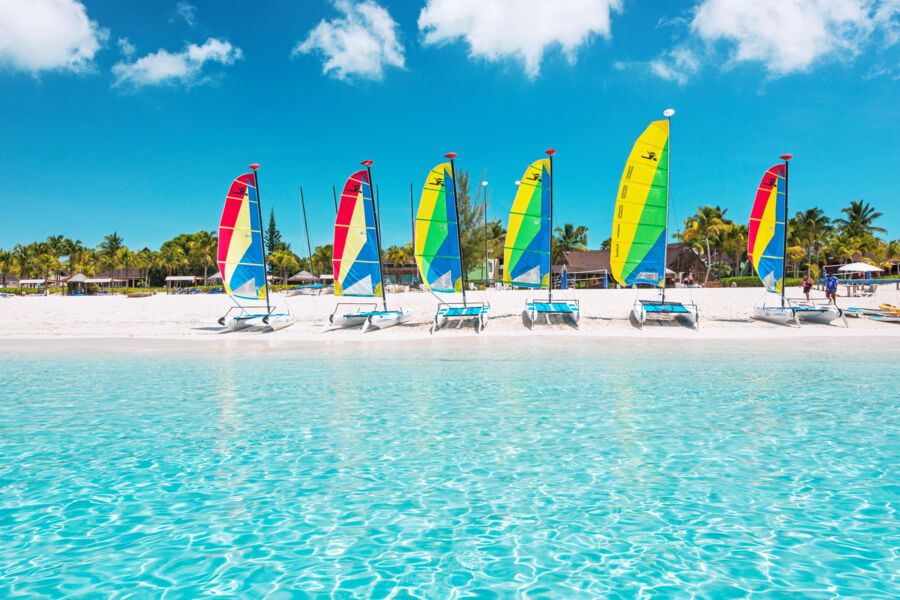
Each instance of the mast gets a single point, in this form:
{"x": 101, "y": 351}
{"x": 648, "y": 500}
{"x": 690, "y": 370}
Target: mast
{"x": 412, "y": 216}
{"x": 668, "y": 114}
{"x": 306, "y": 229}
{"x": 368, "y": 165}
{"x": 785, "y": 158}
{"x": 255, "y": 167}
{"x": 550, "y": 153}
{"x": 451, "y": 156}
{"x": 484, "y": 199}
{"x": 334, "y": 194}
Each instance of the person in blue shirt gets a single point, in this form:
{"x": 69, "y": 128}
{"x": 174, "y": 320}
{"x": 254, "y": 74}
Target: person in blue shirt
{"x": 831, "y": 285}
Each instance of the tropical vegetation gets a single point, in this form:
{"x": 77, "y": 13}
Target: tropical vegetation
{"x": 815, "y": 241}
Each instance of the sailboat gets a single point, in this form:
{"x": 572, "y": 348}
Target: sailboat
{"x": 766, "y": 243}
{"x": 526, "y": 252}
{"x": 357, "y": 258}
{"x": 438, "y": 249}
{"x": 640, "y": 224}
{"x": 242, "y": 257}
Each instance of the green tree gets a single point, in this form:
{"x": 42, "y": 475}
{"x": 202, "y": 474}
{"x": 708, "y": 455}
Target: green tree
{"x": 568, "y": 238}
{"x": 812, "y": 229}
{"x": 860, "y": 216}
{"x": 321, "y": 259}
{"x": 273, "y": 236}
{"x": 6, "y": 264}
{"x": 471, "y": 225}
{"x": 606, "y": 244}
{"x": 285, "y": 260}
{"x": 203, "y": 247}
{"x": 706, "y": 225}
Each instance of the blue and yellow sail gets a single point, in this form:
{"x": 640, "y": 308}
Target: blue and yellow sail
{"x": 638, "y": 244}
{"x": 240, "y": 251}
{"x": 526, "y": 253}
{"x": 437, "y": 239}
{"x": 357, "y": 270}
{"x": 765, "y": 239}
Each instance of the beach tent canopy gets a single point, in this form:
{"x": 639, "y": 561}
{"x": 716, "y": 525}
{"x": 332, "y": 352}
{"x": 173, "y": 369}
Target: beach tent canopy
{"x": 860, "y": 267}
{"x": 217, "y": 276}
{"x": 77, "y": 278}
{"x": 100, "y": 280}
{"x": 31, "y": 281}
{"x": 190, "y": 278}
{"x": 301, "y": 276}
{"x": 326, "y": 276}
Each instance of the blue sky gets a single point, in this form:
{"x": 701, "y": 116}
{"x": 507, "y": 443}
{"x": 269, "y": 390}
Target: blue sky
{"x": 135, "y": 117}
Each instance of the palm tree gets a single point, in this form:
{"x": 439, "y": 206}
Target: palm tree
{"x": 172, "y": 257}
{"x": 568, "y": 238}
{"x": 285, "y": 260}
{"x": 6, "y": 263}
{"x": 321, "y": 259}
{"x": 203, "y": 247}
{"x": 841, "y": 247}
{"x": 707, "y": 224}
{"x": 860, "y": 216}
{"x": 812, "y": 229}
{"x": 733, "y": 242}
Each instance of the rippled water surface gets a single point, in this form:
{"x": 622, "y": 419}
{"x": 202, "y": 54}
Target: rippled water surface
{"x": 578, "y": 470}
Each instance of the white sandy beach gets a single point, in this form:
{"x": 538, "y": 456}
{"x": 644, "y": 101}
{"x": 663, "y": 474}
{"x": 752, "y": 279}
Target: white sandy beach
{"x": 725, "y": 314}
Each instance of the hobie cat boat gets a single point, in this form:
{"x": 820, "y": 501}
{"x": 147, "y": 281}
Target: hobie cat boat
{"x": 241, "y": 259}
{"x": 640, "y": 225}
{"x": 357, "y": 258}
{"x": 526, "y": 253}
{"x": 766, "y": 243}
{"x": 438, "y": 249}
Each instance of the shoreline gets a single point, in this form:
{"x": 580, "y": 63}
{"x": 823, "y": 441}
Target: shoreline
{"x": 188, "y": 320}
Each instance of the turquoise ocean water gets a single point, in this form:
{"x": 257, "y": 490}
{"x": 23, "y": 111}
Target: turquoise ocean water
{"x": 448, "y": 470}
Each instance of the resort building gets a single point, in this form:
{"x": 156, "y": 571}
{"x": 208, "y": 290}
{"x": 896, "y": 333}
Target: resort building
{"x": 592, "y": 269}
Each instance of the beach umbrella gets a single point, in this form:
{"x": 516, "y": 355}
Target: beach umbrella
{"x": 860, "y": 267}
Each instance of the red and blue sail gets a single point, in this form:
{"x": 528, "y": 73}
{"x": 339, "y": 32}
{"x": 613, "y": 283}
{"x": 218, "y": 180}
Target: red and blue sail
{"x": 765, "y": 242}
{"x": 357, "y": 270}
{"x": 240, "y": 253}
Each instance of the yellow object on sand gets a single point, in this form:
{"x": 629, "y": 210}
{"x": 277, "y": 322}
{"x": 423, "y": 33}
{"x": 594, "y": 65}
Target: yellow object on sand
{"x": 890, "y": 308}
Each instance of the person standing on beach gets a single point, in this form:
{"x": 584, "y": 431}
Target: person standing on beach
{"x": 831, "y": 285}
{"x": 807, "y": 285}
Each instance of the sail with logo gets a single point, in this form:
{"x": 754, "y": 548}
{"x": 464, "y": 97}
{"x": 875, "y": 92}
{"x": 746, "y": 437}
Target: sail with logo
{"x": 438, "y": 251}
{"x": 356, "y": 258}
{"x": 527, "y": 251}
{"x": 638, "y": 246}
{"x": 241, "y": 258}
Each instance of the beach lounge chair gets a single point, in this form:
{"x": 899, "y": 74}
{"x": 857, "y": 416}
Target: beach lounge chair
{"x": 458, "y": 311}
{"x": 868, "y": 290}
{"x": 568, "y": 309}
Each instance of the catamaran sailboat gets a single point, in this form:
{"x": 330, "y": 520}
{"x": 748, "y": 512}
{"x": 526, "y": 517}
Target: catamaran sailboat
{"x": 640, "y": 224}
{"x": 357, "y": 258}
{"x": 242, "y": 258}
{"x": 766, "y": 243}
{"x": 526, "y": 253}
{"x": 438, "y": 249}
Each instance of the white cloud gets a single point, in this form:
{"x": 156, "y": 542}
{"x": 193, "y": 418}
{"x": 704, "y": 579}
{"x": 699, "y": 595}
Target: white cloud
{"x": 785, "y": 35}
{"x": 359, "y": 44}
{"x": 43, "y": 35}
{"x": 186, "y": 11}
{"x": 676, "y": 65}
{"x": 126, "y": 47}
{"x": 185, "y": 67}
{"x": 518, "y": 29}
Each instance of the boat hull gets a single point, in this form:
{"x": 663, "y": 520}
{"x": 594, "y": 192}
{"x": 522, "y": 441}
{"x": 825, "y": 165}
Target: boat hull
{"x": 822, "y": 315}
{"x": 780, "y": 315}
{"x": 386, "y": 319}
{"x": 677, "y": 310}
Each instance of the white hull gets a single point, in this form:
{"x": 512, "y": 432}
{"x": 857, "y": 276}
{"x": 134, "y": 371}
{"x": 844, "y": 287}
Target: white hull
{"x": 822, "y": 315}
{"x": 272, "y": 322}
{"x": 780, "y": 315}
{"x": 389, "y": 319}
{"x": 691, "y": 314}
